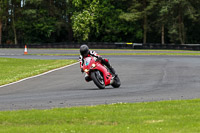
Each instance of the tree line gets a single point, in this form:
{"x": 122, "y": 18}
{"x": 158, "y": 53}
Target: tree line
{"x": 142, "y": 21}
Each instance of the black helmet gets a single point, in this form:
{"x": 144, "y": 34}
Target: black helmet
{"x": 84, "y": 50}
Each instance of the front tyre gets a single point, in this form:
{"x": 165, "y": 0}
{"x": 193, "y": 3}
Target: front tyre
{"x": 98, "y": 79}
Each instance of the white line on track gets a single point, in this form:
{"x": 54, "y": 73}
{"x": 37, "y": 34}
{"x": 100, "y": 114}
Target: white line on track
{"x": 38, "y": 75}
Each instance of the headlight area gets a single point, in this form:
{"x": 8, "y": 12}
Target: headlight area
{"x": 93, "y": 66}
{"x": 86, "y": 70}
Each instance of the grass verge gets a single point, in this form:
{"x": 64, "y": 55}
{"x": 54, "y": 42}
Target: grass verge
{"x": 180, "y": 116}
{"x": 16, "y": 69}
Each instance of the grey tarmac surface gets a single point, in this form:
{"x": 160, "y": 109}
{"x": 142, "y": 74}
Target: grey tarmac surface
{"x": 144, "y": 78}
{"x": 74, "y": 51}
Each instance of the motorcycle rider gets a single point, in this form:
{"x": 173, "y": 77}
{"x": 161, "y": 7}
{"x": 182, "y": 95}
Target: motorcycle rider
{"x": 85, "y": 52}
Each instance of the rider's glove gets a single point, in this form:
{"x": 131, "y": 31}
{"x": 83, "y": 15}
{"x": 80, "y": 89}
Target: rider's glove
{"x": 99, "y": 59}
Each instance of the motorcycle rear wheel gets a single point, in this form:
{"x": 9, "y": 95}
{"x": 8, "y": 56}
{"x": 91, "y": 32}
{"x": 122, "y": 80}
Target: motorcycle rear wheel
{"x": 116, "y": 83}
{"x": 98, "y": 79}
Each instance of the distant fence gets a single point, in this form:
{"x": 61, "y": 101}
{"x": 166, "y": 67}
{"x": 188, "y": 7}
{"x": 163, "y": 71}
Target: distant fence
{"x": 108, "y": 45}
{"x": 172, "y": 46}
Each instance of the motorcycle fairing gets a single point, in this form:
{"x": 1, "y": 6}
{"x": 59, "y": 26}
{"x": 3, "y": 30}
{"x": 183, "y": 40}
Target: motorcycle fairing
{"x": 106, "y": 75}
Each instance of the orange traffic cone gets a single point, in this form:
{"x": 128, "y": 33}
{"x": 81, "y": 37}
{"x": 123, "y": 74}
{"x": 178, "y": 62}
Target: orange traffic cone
{"x": 25, "y": 50}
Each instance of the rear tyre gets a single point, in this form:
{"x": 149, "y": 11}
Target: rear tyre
{"x": 116, "y": 83}
{"x": 98, "y": 79}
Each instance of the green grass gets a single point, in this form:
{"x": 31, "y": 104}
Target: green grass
{"x": 180, "y": 116}
{"x": 176, "y": 54}
{"x": 16, "y": 69}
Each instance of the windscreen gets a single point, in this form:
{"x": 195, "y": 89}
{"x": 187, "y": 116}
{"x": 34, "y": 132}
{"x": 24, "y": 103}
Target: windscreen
{"x": 87, "y": 61}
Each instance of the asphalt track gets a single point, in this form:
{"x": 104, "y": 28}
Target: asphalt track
{"x": 144, "y": 78}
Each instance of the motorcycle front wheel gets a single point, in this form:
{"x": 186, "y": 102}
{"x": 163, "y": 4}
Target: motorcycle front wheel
{"x": 98, "y": 79}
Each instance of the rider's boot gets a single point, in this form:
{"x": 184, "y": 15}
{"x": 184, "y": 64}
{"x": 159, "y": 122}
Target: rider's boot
{"x": 112, "y": 70}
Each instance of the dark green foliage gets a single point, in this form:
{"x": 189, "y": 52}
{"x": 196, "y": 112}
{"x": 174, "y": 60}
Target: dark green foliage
{"x": 142, "y": 21}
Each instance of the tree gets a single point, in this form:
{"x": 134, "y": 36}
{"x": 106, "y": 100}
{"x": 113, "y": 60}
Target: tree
{"x": 84, "y": 18}
{"x": 99, "y": 21}
{"x": 38, "y": 21}
{"x": 140, "y": 10}
{"x": 160, "y": 19}
{"x": 3, "y": 5}
{"x": 15, "y": 6}
{"x": 181, "y": 11}
{"x": 147, "y": 21}
{"x": 1, "y": 12}
{"x": 110, "y": 27}
{"x": 69, "y": 13}
{"x": 193, "y": 23}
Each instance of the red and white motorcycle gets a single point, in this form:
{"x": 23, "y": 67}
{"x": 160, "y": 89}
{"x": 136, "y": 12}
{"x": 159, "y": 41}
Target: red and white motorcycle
{"x": 100, "y": 74}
